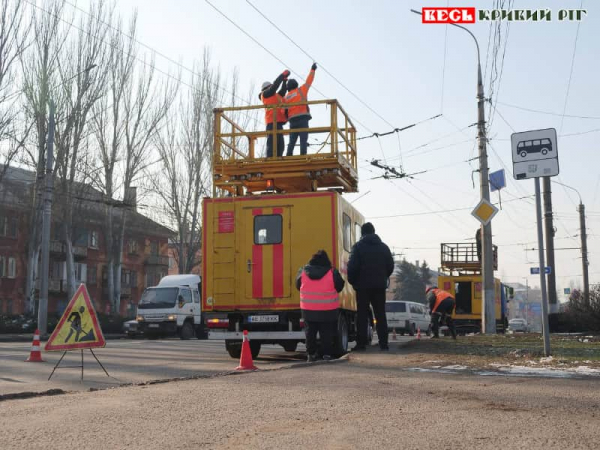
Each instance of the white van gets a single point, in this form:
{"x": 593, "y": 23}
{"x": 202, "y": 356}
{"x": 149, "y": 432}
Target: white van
{"x": 172, "y": 307}
{"x": 407, "y": 317}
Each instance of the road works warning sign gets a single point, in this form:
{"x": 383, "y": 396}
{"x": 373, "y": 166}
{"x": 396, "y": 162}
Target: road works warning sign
{"x": 78, "y": 326}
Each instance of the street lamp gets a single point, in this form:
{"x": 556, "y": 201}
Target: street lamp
{"x": 583, "y": 237}
{"x": 487, "y": 266}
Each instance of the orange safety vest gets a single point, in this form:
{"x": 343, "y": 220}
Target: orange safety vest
{"x": 296, "y": 96}
{"x": 318, "y": 295}
{"x": 440, "y": 296}
{"x": 273, "y": 100}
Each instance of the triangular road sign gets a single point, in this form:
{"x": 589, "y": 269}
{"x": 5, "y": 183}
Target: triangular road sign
{"x": 78, "y": 326}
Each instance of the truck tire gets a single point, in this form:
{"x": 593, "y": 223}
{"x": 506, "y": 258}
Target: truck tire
{"x": 234, "y": 348}
{"x": 187, "y": 331}
{"x": 290, "y": 346}
{"x": 255, "y": 349}
{"x": 340, "y": 347}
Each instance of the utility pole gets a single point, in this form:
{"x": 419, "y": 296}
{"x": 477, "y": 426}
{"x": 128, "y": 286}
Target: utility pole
{"x": 545, "y": 323}
{"x": 487, "y": 266}
{"x": 548, "y": 221}
{"x": 584, "y": 253}
{"x": 48, "y": 187}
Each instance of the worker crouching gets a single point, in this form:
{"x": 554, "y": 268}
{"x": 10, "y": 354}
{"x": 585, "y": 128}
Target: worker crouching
{"x": 441, "y": 306}
{"x": 319, "y": 285}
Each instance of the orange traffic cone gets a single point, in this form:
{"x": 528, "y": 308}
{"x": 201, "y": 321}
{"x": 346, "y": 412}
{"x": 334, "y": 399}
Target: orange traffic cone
{"x": 394, "y": 337}
{"x": 35, "y": 355}
{"x": 419, "y": 333}
{"x": 246, "y": 362}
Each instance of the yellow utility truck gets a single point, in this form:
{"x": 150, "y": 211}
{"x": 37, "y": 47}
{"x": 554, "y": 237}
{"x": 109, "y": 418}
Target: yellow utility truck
{"x": 460, "y": 275}
{"x": 266, "y": 217}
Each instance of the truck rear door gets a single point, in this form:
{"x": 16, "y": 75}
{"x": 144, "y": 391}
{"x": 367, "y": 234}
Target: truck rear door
{"x": 267, "y": 254}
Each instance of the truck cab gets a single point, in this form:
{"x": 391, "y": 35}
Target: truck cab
{"x": 172, "y": 307}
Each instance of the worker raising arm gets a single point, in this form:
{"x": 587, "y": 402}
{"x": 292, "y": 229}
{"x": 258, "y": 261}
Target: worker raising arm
{"x": 269, "y": 96}
{"x": 299, "y": 115}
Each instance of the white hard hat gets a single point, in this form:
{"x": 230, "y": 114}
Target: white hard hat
{"x": 265, "y": 85}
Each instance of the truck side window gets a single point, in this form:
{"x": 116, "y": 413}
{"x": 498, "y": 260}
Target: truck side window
{"x": 186, "y": 294}
{"x": 347, "y": 229}
{"x": 357, "y": 232}
{"x": 268, "y": 229}
{"x": 196, "y": 295}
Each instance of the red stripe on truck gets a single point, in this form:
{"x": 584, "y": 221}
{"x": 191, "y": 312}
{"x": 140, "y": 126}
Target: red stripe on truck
{"x": 278, "y": 262}
{"x": 257, "y": 263}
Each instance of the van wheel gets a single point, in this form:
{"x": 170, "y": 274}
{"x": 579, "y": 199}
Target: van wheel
{"x": 187, "y": 331}
{"x": 340, "y": 347}
{"x": 413, "y": 330}
{"x": 234, "y": 348}
{"x": 544, "y": 151}
{"x": 290, "y": 346}
{"x": 255, "y": 349}
{"x": 429, "y": 330}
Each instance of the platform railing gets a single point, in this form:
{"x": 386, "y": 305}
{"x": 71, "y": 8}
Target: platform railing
{"x": 235, "y": 143}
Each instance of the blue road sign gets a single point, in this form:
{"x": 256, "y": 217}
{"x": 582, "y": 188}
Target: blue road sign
{"x": 497, "y": 180}
{"x": 536, "y": 270}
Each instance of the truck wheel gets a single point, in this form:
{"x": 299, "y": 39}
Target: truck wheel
{"x": 340, "y": 347}
{"x": 234, "y": 348}
{"x": 254, "y": 349}
{"x": 290, "y": 346}
{"x": 187, "y": 331}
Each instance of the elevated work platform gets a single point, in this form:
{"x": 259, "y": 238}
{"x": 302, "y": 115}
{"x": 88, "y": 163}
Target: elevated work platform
{"x": 241, "y": 167}
{"x": 463, "y": 258}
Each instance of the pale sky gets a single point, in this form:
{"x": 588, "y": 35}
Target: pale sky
{"x": 394, "y": 63}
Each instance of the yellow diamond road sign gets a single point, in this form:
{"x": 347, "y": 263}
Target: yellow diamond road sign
{"x": 484, "y": 211}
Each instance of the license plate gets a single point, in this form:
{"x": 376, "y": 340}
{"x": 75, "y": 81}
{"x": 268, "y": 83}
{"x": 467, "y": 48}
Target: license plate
{"x": 153, "y": 325}
{"x": 263, "y": 319}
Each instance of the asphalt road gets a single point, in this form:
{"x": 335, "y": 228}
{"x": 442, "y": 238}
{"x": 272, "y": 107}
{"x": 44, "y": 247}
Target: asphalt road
{"x": 127, "y": 361}
{"x": 364, "y": 403}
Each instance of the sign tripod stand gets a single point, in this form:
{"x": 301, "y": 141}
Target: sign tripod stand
{"x": 71, "y": 367}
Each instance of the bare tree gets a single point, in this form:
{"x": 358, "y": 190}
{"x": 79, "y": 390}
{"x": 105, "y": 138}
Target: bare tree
{"x": 124, "y": 130}
{"x": 186, "y": 147}
{"x": 12, "y": 45}
{"x": 82, "y": 75}
{"x": 40, "y": 74}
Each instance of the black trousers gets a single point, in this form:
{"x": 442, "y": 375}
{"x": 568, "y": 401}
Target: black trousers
{"x": 280, "y": 142}
{"x": 441, "y": 315}
{"x": 326, "y": 331}
{"x": 299, "y": 122}
{"x": 375, "y": 298}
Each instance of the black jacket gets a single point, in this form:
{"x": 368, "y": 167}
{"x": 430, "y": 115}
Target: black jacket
{"x": 371, "y": 263}
{"x": 271, "y": 90}
{"x": 316, "y": 273}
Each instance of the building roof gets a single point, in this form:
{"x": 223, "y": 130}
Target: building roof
{"x": 89, "y": 201}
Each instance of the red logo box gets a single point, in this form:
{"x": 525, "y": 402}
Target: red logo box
{"x": 448, "y": 15}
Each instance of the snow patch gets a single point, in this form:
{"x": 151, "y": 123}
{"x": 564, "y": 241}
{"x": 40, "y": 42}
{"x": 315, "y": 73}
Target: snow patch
{"x": 455, "y": 367}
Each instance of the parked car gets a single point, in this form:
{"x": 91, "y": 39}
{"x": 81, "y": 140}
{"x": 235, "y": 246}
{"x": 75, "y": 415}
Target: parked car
{"x": 130, "y": 328}
{"x": 407, "y": 317}
{"x": 518, "y": 325}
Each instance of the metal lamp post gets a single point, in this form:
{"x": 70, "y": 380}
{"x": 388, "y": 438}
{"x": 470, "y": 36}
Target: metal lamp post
{"x": 489, "y": 315}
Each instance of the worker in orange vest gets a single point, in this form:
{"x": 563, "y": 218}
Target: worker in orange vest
{"x": 299, "y": 115}
{"x": 441, "y": 305}
{"x": 269, "y": 96}
{"x": 319, "y": 284}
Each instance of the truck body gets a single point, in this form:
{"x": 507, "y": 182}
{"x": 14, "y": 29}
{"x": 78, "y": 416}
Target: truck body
{"x": 172, "y": 307}
{"x": 467, "y": 291}
{"x": 253, "y": 247}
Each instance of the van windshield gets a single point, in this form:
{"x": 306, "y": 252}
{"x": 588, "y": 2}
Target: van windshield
{"x": 158, "y": 298}
{"x": 395, "y": 307}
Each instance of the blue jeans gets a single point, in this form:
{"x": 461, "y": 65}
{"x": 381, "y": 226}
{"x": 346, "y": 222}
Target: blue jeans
{"x": 298, "y": 122}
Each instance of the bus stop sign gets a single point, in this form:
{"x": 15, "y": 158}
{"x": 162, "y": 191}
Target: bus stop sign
{"x": 534, "y": 154}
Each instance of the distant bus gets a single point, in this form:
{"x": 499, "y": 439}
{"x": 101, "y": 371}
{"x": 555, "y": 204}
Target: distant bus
{"x": 542, "y": 146}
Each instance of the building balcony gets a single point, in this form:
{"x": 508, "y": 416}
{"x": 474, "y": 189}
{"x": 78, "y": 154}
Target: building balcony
{"x": 57, "y": 248}
{"x": 53, "y": 285}
{"x": 157, "y": 260}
